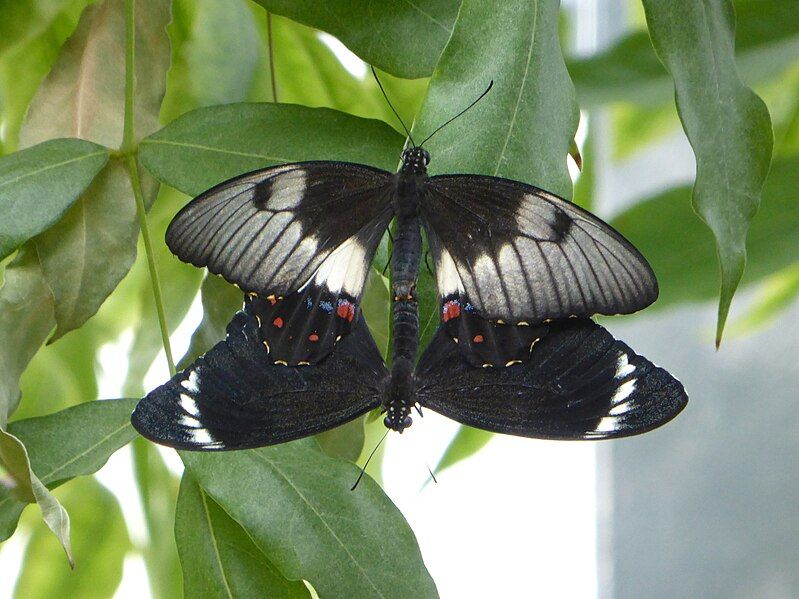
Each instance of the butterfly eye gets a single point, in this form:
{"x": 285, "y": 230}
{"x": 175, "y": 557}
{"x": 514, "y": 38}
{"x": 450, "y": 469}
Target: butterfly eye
{"x": 426, "y": 157}
{"x": 407, "y": 422}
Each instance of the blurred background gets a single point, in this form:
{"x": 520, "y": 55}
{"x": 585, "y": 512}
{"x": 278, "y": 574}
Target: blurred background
{"x": 704, "y": 507}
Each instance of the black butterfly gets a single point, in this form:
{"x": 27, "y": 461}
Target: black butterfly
{"x": 519, "y": 272}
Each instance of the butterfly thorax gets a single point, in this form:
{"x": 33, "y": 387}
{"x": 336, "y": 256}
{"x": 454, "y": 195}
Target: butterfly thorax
{"x": 411, "y": 180}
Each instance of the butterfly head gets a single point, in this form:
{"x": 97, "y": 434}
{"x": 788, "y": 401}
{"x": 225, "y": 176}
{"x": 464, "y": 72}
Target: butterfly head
{"x": 415, "y": 160}
{"x": 397, "y": 418}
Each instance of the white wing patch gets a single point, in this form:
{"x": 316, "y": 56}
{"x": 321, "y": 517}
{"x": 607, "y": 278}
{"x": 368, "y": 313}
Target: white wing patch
{"x": 189, "y": 405}
{"x": 201, "y": 436}
{"x": 447, "y": 277}
{"x": 622, "y": 393}
{"x": 192, "y": 383}
{"x": 623, "y": 367}
{"x": 344, "y": 269}
{"x": 288, "y": 190}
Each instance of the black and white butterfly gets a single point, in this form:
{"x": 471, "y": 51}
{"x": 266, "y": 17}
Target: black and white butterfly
{"x": 519, "y": 273}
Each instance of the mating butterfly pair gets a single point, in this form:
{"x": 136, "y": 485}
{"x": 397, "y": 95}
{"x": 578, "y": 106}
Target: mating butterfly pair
{"x": 519, "y": 273}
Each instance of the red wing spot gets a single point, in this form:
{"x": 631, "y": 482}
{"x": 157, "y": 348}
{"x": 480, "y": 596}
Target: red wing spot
{"x": 450, "y": 310}
{"x": 345, "y": 310}
{"x": 278, "y": 322}
{"x": 313, "y": 337}
{"x": 478, "y": 339}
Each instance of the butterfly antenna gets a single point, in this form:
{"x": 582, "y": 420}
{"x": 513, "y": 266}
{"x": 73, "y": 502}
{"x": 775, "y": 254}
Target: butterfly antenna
{"x": 488, "y": 89}
{"x": 390, "y": 105}
{"x": 432, "y": 476}
{"x": 369, "y": 459}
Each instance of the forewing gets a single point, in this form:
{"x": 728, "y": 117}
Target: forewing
{"x": 578, "y": 383}
{"x": 518, "y": 253}
{"x": 299, "y": 240}
{"x": 270, "y": 230}
{"x": 302, "y": 327}
{"x": 235, "y": 397}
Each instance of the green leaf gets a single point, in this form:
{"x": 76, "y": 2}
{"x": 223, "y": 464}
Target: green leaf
{"x": 30, "y": 489}
{"x": 26, "y": 319}
{"x": 466, "y": 442}
{"x": 218, "y": 558}
{"x": 683, "y": 255}
{"x": 377, "y": 307}
{"x": 70, "y": 443}
{"x": 86, "y": 255}
{"x": 31, "y": 35}
{"x": 37, "y": 186}
{"x": 210, "y": 145}
{"x": 325, "y": 82}
{"x": 100, "y": 543}
{"x": 766, "y": 40}
{"x": 90, "y": 250}
{"x": 727, "y": 124}
{"x": 215, "y": 55}
{"x": 345, "y": 543}
{"x": 84, "y": 94}
{"x": 401, "y": 37}
{"x": 345, "y": 441}
{"x": 427, "y": 293}
{"x": 524, "y": 127}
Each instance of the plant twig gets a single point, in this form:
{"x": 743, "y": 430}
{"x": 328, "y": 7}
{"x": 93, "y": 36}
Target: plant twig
{"x": 128, "y": 149}
{"x": 271, "y": 56}
{"x": 148, "y": 249}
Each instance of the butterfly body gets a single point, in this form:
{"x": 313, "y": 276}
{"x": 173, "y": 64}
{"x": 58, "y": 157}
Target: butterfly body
{"x": 400, "y": 392}
{"x": 519, "y": 272}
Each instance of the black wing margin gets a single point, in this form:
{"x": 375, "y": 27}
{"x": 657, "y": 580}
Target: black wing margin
{"x": 578, "y": 383}
{"x": 518, "y": 253}
{"x": 270, "y": 230}
{"x": 234, "y": 397}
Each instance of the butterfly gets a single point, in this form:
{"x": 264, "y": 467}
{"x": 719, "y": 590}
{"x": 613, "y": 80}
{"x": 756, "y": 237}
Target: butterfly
{"x": 519, "y": 271}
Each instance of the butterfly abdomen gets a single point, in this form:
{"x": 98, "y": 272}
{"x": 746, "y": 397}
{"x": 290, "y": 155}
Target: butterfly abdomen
{"x": 405, "y": 269}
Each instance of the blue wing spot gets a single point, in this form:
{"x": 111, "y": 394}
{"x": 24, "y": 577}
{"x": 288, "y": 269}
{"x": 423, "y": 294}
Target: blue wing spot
{"x": 308, "y": 303}
{"x": 468, "y": 307}
{"x": 326, "y": 306}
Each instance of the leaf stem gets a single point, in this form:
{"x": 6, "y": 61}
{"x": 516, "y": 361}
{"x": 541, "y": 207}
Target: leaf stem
{"x": 148, "y": 249}
{"x": 271, "y": 56}
{"x": 128, "y": 139}
{"x": 128, "y": 150}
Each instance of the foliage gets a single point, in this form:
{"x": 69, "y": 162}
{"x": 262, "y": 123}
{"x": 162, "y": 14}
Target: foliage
{"x": 101, "y": 103}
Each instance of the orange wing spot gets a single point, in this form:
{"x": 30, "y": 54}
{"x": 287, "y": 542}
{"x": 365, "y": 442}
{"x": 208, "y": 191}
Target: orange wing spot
{"x": 313, "y": 337}
{"x": 272, "y": 299}
{"x": 478, "y": 339}
{"x": 345, "y": 310}
{"x": 450, "y": 310}
{"x": 278, "y": 322}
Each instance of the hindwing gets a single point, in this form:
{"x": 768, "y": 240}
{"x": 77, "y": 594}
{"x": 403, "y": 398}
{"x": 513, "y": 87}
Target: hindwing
{"x": 577, "y": 383}
{"x": 235, "y": 397}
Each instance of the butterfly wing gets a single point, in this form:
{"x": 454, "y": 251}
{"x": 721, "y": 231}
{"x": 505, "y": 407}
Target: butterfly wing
{"x": 518, "y": 253}
{"x": 578, "y": 383}
{"x": 299, "y": 239}
{"x": 234, "y": 397}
